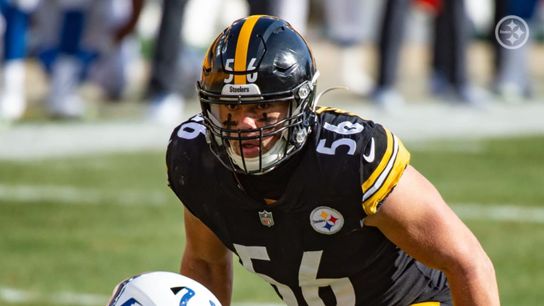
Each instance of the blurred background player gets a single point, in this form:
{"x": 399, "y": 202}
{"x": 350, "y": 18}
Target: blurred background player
{"x": 61, "y": 26}
{"x": 112, "y": 34}
{"x": 82, "y": 40}
{"x": 346, "y": 26}
{"x": 166, "y": 99}
{"x": 449, "y": 76}
{"x": 13, "y": 25}
{"x": 451, "y": 37}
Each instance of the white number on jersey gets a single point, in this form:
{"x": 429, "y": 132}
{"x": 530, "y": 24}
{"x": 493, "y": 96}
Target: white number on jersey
{"x": 191, "y": 130}
{"x": 307, "y": 277}
{"x": 344, "y": 128}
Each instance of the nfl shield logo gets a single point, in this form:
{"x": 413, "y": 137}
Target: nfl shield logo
{"x": 266, "y": 218}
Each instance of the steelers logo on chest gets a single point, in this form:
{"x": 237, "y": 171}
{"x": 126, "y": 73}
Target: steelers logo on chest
{"x": 326, "y": 220}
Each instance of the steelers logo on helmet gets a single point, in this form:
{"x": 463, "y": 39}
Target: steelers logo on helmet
{"x": 262, "y": 69}
{"x": 161, "y": 289}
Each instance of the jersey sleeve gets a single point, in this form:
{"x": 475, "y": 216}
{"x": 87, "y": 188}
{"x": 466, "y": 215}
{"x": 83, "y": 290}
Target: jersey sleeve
{"x": 383, "y": 161}
{"x": 186, "y": 151}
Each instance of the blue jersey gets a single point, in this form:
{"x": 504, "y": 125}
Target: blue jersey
{"x": 311, "y": 244}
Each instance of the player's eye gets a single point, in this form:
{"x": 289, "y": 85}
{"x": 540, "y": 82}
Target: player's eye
{"x": 262, "y": 106}
{"x": 232, "y": 107}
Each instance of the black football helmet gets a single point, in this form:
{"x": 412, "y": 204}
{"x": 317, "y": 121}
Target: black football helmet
{"x": 258, "y": 59}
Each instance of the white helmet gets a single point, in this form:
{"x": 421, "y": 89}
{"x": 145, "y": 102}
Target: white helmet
{"x": 161, "y": 289}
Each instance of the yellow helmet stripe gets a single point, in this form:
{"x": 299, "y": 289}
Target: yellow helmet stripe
{"x": 206, "y": 61}
{"x": 242, "y": 46}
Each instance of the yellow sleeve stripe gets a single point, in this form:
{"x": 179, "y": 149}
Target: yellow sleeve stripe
{"x": 321, "y": 109}
{"x": 387, "y": 179}
{"x": 324, "y": 109}
{"x": 242, "y": 46}
{"x": 385, "y": 160}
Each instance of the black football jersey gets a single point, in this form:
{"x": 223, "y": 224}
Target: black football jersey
{"x": 311, "y": 245}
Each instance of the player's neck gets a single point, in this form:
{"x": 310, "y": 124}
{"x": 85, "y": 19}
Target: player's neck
{"x": 271, "y": 186}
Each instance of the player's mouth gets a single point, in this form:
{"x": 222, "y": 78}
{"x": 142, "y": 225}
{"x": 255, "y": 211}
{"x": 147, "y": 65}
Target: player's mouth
{"x": 251, "y": 149}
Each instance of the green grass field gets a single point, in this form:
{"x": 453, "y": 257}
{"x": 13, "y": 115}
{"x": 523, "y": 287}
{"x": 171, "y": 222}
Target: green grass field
{"x": 82, "y": 224}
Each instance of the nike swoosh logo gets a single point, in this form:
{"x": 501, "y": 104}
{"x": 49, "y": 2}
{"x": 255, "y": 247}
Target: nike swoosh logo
{"x": 370, "y": 157}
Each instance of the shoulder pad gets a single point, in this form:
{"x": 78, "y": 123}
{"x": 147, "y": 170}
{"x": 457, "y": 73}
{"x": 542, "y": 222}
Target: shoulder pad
{"x": 190, "y": 129}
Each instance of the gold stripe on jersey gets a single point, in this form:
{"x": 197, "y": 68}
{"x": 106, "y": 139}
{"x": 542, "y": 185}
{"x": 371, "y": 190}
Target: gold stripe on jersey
{"x": 386, "y": 175}
{"x": 242, "y": 47}
{"x": 427, "y": 304}
{"x": 323, "y": 109}
{"x": 385, "y": 159}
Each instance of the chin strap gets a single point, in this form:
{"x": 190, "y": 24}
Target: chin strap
{"x": 273, "y": 155}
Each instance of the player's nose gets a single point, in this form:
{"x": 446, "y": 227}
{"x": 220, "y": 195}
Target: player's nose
{"x": 248, "y": 122}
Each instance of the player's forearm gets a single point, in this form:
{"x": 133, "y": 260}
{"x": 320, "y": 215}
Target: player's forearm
{"x": 474, "y": 285}
{"x": 217, "y": 277}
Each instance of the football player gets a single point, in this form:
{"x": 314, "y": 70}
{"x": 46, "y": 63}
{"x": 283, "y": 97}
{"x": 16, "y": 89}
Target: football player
{"x": 320, "y": 203}
{"x": 81, "y": 40}
{"x": 14, "y": 22}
